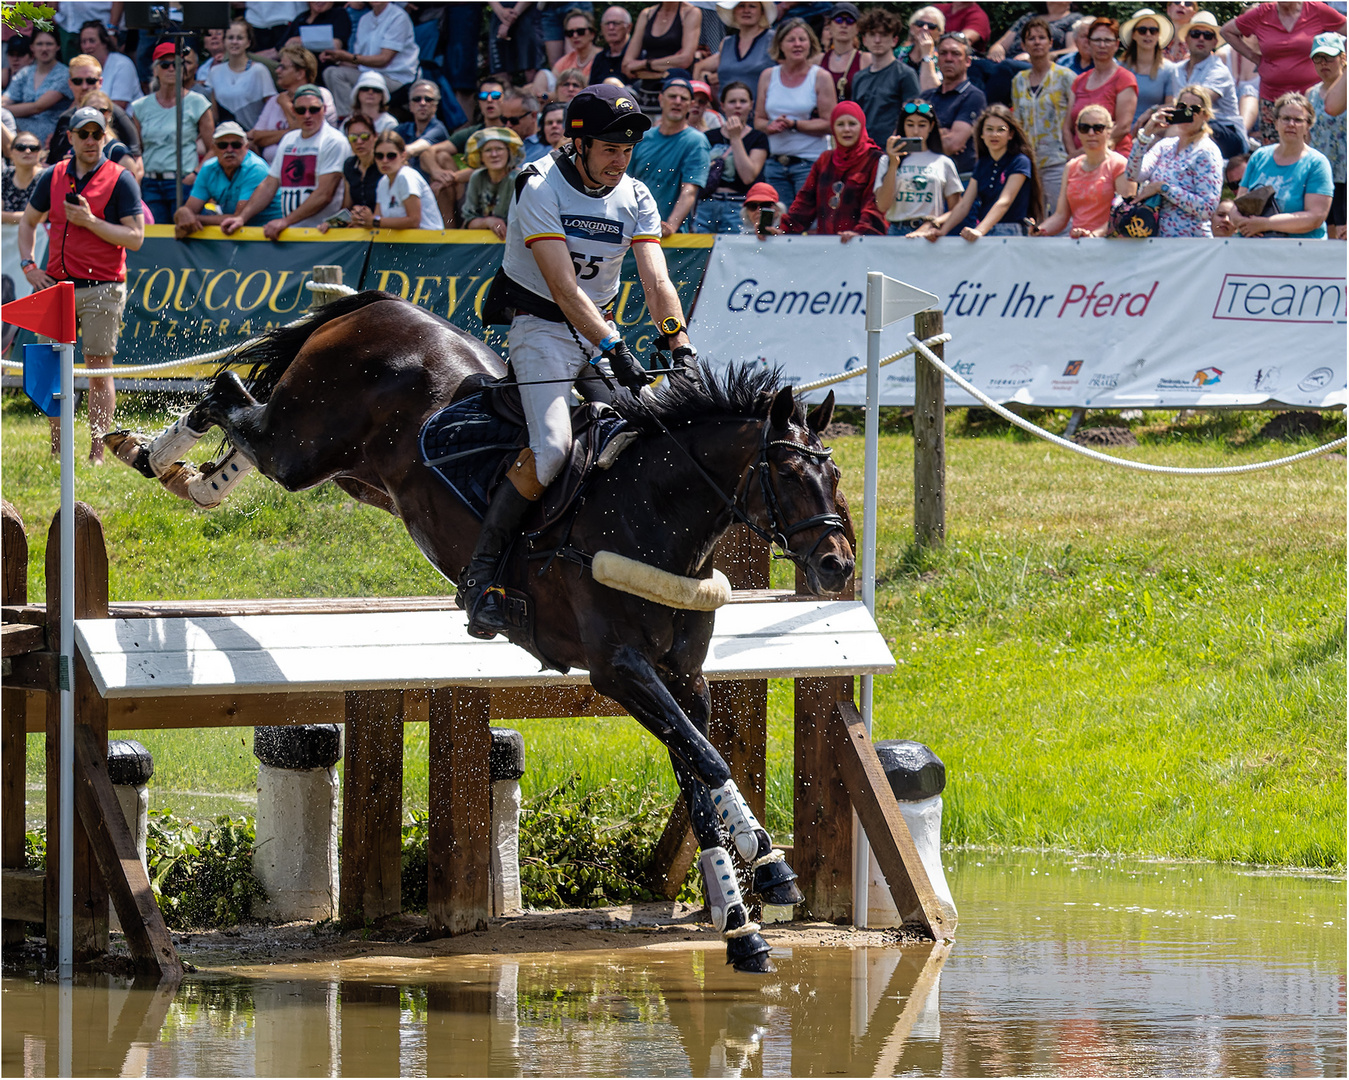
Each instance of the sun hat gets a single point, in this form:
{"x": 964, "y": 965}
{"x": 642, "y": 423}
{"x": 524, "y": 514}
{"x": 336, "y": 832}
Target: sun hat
{"x": 369, "y": 80}
{"x": 1166, "y": 28}
{"x": 229, "y": 127}
{"x": 761, "y": 193}
{"x": 1202, "y": 18}
{"x": 483, "y": 136}
{"x": 1327, "y": 44}
{"x": 726, "y": 10}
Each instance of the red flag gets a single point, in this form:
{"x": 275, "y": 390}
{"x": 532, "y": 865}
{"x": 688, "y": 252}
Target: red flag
{"x": 50, "y": 312}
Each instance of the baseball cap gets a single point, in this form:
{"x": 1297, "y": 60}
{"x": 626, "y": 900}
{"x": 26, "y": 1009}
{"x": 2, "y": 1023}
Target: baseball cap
{"x": 761, "y": 193}
{"x": 1328, "y": 44}
{"x": 87, "y": 115}
{"x": 845, "y": 8}
{"x": 229, "y": 127}
{"x": 680, "y": 79}
{"x": 163, "y": 49}
{"x": 608, "y": 113}
{"x": 700, "y": 87}
{"x": 308, "y": 88}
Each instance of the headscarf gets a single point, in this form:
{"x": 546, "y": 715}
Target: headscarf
{"x": 846, "y": 158}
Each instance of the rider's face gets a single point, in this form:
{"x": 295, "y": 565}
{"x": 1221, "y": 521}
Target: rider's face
{"x": 607, "y": 162}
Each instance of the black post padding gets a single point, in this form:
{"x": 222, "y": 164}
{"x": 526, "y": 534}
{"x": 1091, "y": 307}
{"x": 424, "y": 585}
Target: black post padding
{"x": 506, "y": 759}
{"x": 915, "y": 772}
{"x": 298, "y": 746}
{"x": 129, "y": 763}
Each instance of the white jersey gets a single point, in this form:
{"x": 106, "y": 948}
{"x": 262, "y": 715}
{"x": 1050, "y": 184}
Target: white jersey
{"x": 598, "y": 230}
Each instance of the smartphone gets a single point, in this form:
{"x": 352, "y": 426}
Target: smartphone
{"x": 1182, "y": 114}
{"x": 912, "y": 146}
{"x": 72, "y": 198}
{"x": 340, "y": 219}
{"x": 765, "y": 221}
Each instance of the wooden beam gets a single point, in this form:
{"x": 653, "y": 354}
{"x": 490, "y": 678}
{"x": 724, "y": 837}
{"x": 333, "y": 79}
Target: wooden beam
{"x": 513, "y": 703}
{"x": 822, "y": 822}
{"x": 115, "y": 850}
{"x": 458, "y": 851}
{"x": 13, "y": 710}
{"x": 885, "y": 827}
{"x": 214, "y": 710}
{"x": 22, "y": 895}
{"x": 19, "y": 638}
{"x": 372, "y": 808}
{"x": 929, "y": 438}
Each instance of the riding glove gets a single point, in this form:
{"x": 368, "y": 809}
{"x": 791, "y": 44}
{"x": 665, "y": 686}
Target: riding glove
{"x": 627, "y": 370}
{"x": 684, "y": 357}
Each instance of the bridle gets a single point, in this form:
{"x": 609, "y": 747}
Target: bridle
{"x": 780, "y": 530}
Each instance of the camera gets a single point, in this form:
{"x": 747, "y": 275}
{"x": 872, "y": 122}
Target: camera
{"x": 765, "y": 220}
{"x": 1182, "y": 114}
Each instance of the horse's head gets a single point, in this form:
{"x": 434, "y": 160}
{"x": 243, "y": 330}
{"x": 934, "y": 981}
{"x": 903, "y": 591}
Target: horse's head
{"x": 793, "y": 494}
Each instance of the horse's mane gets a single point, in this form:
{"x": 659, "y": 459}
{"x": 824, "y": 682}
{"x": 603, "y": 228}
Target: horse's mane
{"x": 742, "y": 391}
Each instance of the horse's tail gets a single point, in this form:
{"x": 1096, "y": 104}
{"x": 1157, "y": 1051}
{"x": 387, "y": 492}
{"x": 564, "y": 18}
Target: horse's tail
{"x": 268, "y": 356}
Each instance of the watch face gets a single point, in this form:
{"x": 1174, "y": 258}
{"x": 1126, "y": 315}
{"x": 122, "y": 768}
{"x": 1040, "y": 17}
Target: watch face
{"x": 670, "y": 326}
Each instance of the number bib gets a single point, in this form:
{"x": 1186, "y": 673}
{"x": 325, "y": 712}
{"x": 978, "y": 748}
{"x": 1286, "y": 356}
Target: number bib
{"x": 597, "y": 230}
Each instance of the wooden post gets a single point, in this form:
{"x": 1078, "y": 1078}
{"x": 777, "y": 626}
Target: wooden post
{"x": 91, "y": 602}
{"x": 372, "y": 808}
{"x": 459, "y": 835}
{"x": 13, "y": 715}
{"x": 324, "y": 275}
{"x": 929, "y": 438}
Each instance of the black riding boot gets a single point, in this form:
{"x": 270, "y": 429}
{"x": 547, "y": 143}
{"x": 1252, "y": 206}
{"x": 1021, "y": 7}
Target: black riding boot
{"x": 486, "y": 605}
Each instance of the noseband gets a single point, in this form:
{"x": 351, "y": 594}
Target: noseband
{"x": 779, "y": 530}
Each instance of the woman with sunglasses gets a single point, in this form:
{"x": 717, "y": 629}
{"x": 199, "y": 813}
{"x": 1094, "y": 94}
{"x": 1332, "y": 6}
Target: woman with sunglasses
{"x": 241, "y": 85}
{"x": 1106, "y": 83}
{"x": 1003, "y": 192}
{"x": 1299, "y": 175}
{"x": 19, "y": 176}
{"x": 495, "y": 155}
{"x": 370, "y": 98}
{"x": 39, "y": 93}
{"x": 360, "y": 175}
{"x": 1145, "y": 38}
{"x": 915, "y": 186}
{"x": 926, "y": 26}
{"x": 838, "y": 197}
{"x": 844, "y": 59}
{"x": 160, "y": 137}
{"x": 579, "y": 31}
{"x": 403, "y": 198}
{"x": 1186, "y": 170}
{"x": 1091, "y": 182}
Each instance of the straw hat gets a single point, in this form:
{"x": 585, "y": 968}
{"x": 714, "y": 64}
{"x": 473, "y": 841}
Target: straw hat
{"x": 1166, "y": 28}
{"x": 482, "y": 137}
{"x": 726, "y": 10}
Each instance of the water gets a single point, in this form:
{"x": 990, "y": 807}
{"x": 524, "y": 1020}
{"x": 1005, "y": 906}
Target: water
{"x": 1061, "y": 967}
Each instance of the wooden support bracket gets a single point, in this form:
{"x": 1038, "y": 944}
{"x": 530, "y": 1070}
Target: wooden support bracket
{"x": 458, "y": 877}
{"x": 115, "y": 850}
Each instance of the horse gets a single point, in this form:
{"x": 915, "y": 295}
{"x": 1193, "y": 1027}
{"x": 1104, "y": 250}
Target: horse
{"x": 343, "y": 396}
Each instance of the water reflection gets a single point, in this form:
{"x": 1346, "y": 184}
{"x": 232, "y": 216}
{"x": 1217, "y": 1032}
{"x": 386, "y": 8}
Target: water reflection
{"x": 1062, "y": 967}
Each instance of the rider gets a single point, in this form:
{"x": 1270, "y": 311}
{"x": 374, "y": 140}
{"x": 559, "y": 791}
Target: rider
{"x": 576, "y": 213}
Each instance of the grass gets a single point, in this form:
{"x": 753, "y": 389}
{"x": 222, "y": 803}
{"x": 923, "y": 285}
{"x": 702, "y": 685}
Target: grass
{"x": 1105, "y": 660}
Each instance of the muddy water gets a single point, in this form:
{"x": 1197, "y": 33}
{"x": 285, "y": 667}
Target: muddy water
{"x": 1061, "y": 967}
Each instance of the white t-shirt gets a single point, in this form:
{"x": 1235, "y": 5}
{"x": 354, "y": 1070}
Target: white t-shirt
{"x": 923, "y": 183}
{"x": 409, "y": 182}
{"x": 273, "y": 118}
{"x": 120, "y": 81}
{"x": 597, "y": 230}
{"x": 392, "y": 29}
{"x": 300, "y": 162}
{"x": 242, "y": 92}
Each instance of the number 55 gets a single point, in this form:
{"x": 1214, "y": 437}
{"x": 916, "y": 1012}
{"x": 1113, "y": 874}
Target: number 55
{"x": 587, "y": 266}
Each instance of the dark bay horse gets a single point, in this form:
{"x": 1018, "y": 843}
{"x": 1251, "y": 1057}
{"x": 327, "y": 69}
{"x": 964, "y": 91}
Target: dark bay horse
{"x": 344, "y": 395}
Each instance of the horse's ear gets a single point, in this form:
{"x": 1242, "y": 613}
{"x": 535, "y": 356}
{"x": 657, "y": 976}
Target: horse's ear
{"x": 784, "y": 405}
{"x": 820, "y": 416}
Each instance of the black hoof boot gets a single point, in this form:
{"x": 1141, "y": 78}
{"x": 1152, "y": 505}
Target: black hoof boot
{"x": 775, "y": 883}
{"x": 749, "y": 953}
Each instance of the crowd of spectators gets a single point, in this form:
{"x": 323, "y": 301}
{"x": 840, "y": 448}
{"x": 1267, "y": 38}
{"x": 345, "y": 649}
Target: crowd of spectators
{"x": 926, "y": 121}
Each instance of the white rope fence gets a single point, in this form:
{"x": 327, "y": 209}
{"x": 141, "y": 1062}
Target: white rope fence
{"x": 1172, "y": 470}
{"x": 829, "y": 380}
{"x": 126, "y": 371}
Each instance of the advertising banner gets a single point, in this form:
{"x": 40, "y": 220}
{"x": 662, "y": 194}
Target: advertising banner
{"x": 1050, "y": 322}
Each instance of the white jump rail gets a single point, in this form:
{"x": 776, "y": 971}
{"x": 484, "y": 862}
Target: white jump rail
{"x": 255, "y": 654}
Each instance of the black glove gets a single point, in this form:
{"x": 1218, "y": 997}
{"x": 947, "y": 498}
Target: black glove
{"x": 685, "y": 358}
{"x": 629, "y": 373}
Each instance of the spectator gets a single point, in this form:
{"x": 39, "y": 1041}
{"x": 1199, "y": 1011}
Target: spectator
{"x": 495, "y": 156}
{"x": 241, "y": 85}
{"x": 384, "y": 42}
{"x": 1003, "y": 192}
{"x": 491, "y": 93}
{"x": 1180, "y": 15}
{"x": 915, "y": 187}
{"x": 844, "y": 59}
{"x": 268, "y": 19}
{"x": 160, "y": 137}
{"x": 1059, "y": 17}
{"x": 1204, "y": 68}
{"x": 87, "y": 244}
{"x": 956, "y": 101}
{"x": 520, "y": 113}
{"x": 1284, "y": 33}
{"x": 615, "y": 29}
{"x": 1327, "y": 132}
{"x": 885, "y": 82}
{"x": 743, "y": 55}
{"x": 1145, "y": 39}
{"x": 1079, "y": 59}
{"x": 19, "y": 174}
{"x": 701, "y": 114}
{"x": 553, "y": 123}
{"x": 213, "y": 45}
{"x": 38, "y": 94}
{"x": 738, "y": 153}
{"x": 228, "y": 181}
{"x": 423, "y": 131}
{"x": 553, "y": 29}
{"x": 295, "y": 66}
{"x": 1092, "y": 181}
{"x": 514, "y": 39}
{"x": 672, "y": 158}
{"x": 1186, "y": 170}
{"x": 17, "y": 57}
{"x": 307, "y": 171}
{"x": 1040, "y": 98}
{"x": 579, "y": 30}
{"x": 1105, "y": 84}
{"x": 360, "y": 174}
{"x": 759, "y": 198}
{"x": 569, "y": 84}
{"x": 403, "y": 199}
{"x": 790, "y": 106}
{"x": 1300, "y": 176}
{"x": 370, "y": 98}
{"x": 838, "y": 197}
{"x": 448, "y": 181}
{"x": 322, "y": 13}
{"x": 926, "y": 25}
{"x": 86, "y": 77}
{"x": 120, "y": 81}
{"x": 970, "y": 20}
{"x": 1223, "y": 224}
{"x": 665, "y": 39}
{"x": 114, "y": 149}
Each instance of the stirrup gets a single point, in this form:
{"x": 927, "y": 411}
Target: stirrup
{"x": 487, "y": 614}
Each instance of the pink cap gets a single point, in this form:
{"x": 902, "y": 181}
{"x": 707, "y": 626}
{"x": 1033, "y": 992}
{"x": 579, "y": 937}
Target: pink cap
{"x": 761, "y": 193}
{"x": 700, "y": 87}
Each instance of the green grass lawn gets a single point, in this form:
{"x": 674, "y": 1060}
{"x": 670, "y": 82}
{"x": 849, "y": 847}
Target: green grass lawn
{"x": 1105, "y": 660}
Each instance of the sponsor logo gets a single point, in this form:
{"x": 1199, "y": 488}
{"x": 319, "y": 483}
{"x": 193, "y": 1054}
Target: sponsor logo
{"x": 1267, "y": 379}
{"x": 853, "y": 362}
{"x": 588, "y": 228}
{"x": 1317, "y": 379}
{"x": 1106, "y": 380}
{"x": 1017, "y": 375}
{"x": 623, "y": 103}
{"x": 1073, "y": 367}
{"x": 1207, "y": 376}
{"x": 1280, "y": 299}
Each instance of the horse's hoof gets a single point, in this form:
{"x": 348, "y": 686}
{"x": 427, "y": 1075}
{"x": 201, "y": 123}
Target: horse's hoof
{"x": 775, "y": 883}
{"x": 749, "y": 953}
{"x": 180, "y": 479}
{"x": 131, "y": 449}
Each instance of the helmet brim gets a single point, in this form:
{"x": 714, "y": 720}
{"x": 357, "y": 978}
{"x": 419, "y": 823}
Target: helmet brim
{"x": 624, "y": 131}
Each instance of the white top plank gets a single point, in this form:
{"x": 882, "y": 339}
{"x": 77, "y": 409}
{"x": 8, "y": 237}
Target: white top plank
{"x": 421, "y": 649}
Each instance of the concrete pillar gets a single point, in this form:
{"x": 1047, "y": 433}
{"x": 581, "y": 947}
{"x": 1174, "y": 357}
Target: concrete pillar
{"x": 130, "y": 767}
{"x": 917, "y": 777}
{"x": 296, "y": 853}
{"x": 506, "y": 765}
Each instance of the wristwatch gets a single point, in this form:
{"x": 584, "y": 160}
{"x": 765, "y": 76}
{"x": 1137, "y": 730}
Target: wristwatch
{"x": 670, "y": 326}
{"x": 26, "y": 263}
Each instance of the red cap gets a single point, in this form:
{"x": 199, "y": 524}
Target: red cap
{"x": 761, "y": 193}
{"x": 700, "y": 87}
{"x": 164, "y": 48}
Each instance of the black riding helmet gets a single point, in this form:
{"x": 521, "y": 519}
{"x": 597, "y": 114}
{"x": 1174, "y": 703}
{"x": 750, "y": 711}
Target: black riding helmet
{"x": 607, "y": 113}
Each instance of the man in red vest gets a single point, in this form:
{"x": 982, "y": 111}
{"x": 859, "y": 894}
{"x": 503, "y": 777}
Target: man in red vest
{"x": 93, "y": 207}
